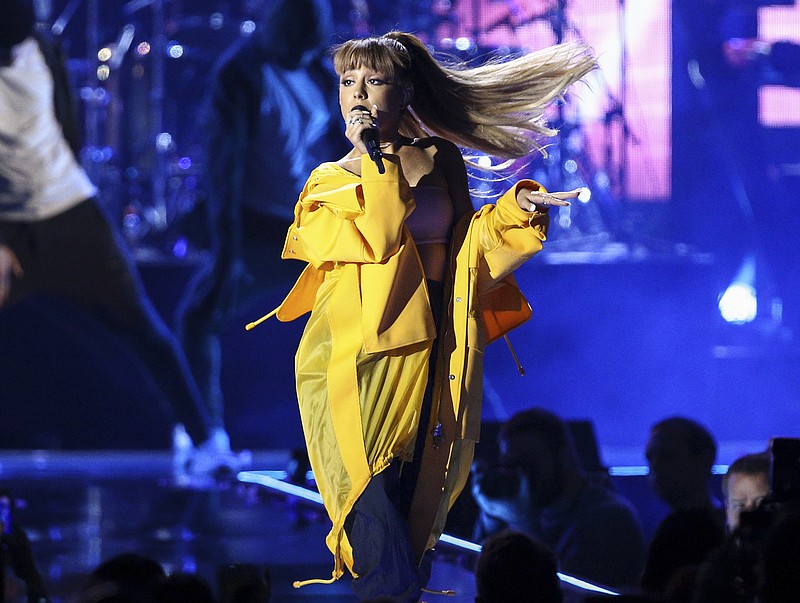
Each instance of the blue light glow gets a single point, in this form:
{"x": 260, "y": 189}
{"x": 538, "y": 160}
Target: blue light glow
{"x": 739, "y": 304}
{"x": 463, "y": 43}
{"x": 175, "y": 50}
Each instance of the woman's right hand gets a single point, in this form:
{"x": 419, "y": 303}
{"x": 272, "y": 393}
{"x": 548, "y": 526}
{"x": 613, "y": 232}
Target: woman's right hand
{"x": 357, "y": 121}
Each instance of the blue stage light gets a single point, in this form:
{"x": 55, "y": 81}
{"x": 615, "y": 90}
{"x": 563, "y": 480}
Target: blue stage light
{"x": 738, "y": 304}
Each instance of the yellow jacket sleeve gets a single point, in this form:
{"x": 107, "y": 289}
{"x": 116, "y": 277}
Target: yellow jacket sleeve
{"x": 341, "y": 218}
{"x": 507, "y": 236}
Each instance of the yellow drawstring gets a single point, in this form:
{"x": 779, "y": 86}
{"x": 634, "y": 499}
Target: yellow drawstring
{"x": 301, "y": 583}
{"x": 255, "y": 323}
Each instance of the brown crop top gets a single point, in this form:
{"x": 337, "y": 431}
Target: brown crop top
{"x": 432, "y": 219}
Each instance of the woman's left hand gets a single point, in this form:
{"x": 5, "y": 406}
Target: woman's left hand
{"x": 531, "y": 200}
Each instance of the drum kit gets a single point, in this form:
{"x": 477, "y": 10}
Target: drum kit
{"x": 141, "y": 69}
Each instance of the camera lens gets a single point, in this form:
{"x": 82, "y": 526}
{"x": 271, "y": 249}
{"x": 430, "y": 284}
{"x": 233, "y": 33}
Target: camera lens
{"x": 499, "y": 483}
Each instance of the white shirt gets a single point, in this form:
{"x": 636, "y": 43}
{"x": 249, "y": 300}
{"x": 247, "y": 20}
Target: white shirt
{"x": 39, "y": 175}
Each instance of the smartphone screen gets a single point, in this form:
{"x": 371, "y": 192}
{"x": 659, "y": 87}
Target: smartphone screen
{"x": 6, "y": 508}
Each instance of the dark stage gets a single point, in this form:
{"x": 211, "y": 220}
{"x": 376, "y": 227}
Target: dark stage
{"x": 81, "y": 508}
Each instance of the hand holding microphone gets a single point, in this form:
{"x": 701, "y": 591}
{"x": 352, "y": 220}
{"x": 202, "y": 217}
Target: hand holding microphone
{"x": 370, "y": 135}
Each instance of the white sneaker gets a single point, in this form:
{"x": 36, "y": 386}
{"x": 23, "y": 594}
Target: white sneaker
{"x": 182, "y": 451}
{"x": 214, "y": 457}
{"x": 211, "y": 460}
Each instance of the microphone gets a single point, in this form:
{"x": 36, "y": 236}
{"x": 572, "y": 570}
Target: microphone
{"x": 371, "y": 137}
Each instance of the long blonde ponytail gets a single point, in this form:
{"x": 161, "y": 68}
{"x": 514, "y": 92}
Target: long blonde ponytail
{"x": 497, "y": 108}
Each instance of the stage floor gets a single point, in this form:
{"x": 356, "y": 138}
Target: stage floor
{"x": 81, "y": 508}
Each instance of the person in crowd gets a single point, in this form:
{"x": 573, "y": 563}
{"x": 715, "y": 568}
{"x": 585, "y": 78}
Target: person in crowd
{"x": 244, "y": 583}
{"x": 757, "y": 565}
{"x": 55, "y": 238}
{"x": 757, "y": 561}
{"x": 745, "y": 486}
{"x": 680, "y": 454}
{"x": 16, "y": 554}
{"x": 181, "y": 587}
{"x": 682, "y": 543}
{"x": 267, "y": 122}
{"x": 398, "y": 267}
{"x": 728, "y": 574}
{"x": 123, "y": 577}
{"x": 514, "y": 567}
{"x": 780, "y": 557}
{"x": 594, "y": 532}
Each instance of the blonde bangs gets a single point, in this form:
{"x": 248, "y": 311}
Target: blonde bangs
{"x": 384, "y": 55}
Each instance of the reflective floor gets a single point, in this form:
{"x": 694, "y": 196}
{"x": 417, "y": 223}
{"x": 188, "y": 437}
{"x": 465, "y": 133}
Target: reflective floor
{"x": 82, "y": 508}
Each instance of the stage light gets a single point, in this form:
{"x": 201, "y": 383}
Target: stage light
{"x": 164, "y": 141}
{"x": 463, "y": 43}
{"x": 174, "y": 49}
{"x": 181, "y": 247}
{"x": 738, "y": 304}
{"x": 216, "y": 21}
{"x": 247, "y": 28}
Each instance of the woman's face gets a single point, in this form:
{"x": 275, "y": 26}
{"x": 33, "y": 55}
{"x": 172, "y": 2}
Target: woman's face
{"x": 367, "y": 87}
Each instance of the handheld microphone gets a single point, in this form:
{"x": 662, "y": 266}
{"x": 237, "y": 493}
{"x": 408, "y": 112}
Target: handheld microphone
{"x": 371, "y": 137}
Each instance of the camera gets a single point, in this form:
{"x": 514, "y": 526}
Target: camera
{"x": 6, "y": 511}
{"x": 785, "y": 470}
{"x": 755, "y": 527}
{"x": 499, "y": 483}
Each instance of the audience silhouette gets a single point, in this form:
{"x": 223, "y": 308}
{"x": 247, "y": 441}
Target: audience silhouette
{"x": 594, "y": 532}
{"x": 182, "y": 587}
{"x": 515, "y": 567}
{"x": 691, "y": 559}
{"x": 681, "y": 454}
{"x": 682, "y": 542}
{"x": 124, "y": 578}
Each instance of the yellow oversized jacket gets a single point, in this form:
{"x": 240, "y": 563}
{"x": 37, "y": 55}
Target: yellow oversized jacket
{"x": 357, "y": 226}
